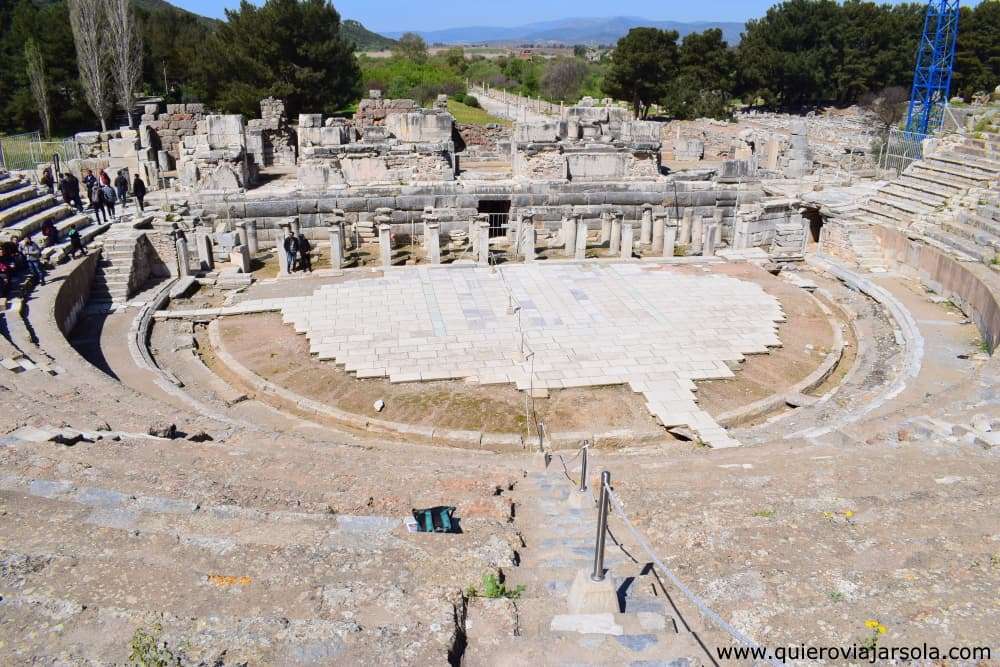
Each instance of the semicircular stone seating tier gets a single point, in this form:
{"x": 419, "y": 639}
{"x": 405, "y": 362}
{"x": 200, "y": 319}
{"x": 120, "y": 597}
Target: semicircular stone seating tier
{"x": 545, "y": 327}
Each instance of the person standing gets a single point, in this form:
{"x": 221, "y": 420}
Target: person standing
{"x": 109, "y": 197}
{"x": 139, "y": 192}
{"x": 89, "y": 181}
{"x": 305, "y": 260}
{"x": 291, "y": 246}
{"x": 33, "y": 258}
{"x": 97, "y": 202}
{"x": 48, "y": 181}
{"x": 105, "y": 179}
{"x": 121, "y": 186}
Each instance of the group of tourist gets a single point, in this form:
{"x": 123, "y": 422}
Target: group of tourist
{"x": 102, "y": 193}
{"x": 297, "y": 249}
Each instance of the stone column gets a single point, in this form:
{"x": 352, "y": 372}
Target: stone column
{"x": 484, "y": 242}
{"x": 337, "y": 245}
{"x": 684, "y": 234}
{"x": 569, "y": 235}
{"x": 607, "y": 229}
{"x": 284, "y": 228}
{"x": 669, "y": 240}
{"x": 432, "y": 242}
{"x": 427, "y": 217}
{"x": 346, "y": 240}
{"x": 581, "y": 237}
{"x": 253, "y": 244}
{"x": 474, "y": 234}
{"x": 295, "y": 225}
{"x": 240, "y": 256}
{"x": 659, "y": 222}
{"x": 708, "y": 245}
{"x": 183, "y": 259}
{"x": 616, "y": 233}
{"x": 697, "y": 233}
{"x": 243, "y": 233}
{"x": 205, "y": 252}
{"x": 528, "y": 242}
{"x": 646, "y": 232}
{"x": 717, "y": 220}
{"x": 628, "y": 240}
{"x": 385, "y": 244}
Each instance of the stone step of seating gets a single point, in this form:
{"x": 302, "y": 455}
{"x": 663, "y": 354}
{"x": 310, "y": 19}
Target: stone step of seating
{"x": 903, "y": 191}
{"x": 981, "y": 222}
{"x": 970, "y": 156}
{"x": 16, "y": 195}
{"x": 958, "y": 166}
{"x": 921, "y": 181}
{"x": 885, "y": 214}
{"x": 58, "y": 253}
{"x": 18, "y": 212}
{"x": 903, "y": 204}
{"x": 979, "y": 152}
{"x": 961, "y": 246}
{"x": 978, "y": 236}
{"x": 26, "y": 227}
{"x": 925, "y": 172}
{"x": 10, "y": 183}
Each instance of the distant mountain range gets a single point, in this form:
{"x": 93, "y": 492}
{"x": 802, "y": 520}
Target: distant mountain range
{"x": 365, "y": 39}
{"x": 572, "y": 31}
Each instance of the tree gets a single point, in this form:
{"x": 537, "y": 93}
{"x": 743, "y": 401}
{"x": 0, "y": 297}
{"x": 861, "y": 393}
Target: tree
{"x": 977, "y": 62}
{"x": 889, "y": 106}
{"x": 35, "y": 67}
{"x": 288, "y": 49}
{"x": 411, "y": 46}
{"x": 563, "y": 78}
{"x": 642, "y": 66}
{"x": 455, "y": 58}
{"x": 88, "y": 23}
{"x": 125, "y": 52}
{"x": 703, "y": 85}
{"x": 579, "y": 51}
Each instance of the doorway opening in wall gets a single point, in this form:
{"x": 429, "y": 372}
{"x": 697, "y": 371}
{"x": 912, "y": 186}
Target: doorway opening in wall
{"x": 499, "y": 215}
{"x": 815, "y": 222}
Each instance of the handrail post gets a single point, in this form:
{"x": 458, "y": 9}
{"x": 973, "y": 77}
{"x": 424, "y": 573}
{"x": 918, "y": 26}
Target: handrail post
{"x": 583, "y": 467}
{"x": 602, "y": 528}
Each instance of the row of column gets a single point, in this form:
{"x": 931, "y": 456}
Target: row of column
{"x": 240, "y": 255}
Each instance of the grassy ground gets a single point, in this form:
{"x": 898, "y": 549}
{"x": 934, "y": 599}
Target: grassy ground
{"x": 467, "y": 115}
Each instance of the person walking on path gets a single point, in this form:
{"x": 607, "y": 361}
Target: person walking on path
{"x": 33, "y": 258}
{"x": 109, "y": 197}
{"x": 139, "y": 192}
{"x": 97, "y": 202}
{"x": 75, "y": 242}
{"x": 291, "y": 246}
{"x": 305, "y": 260}
{"x": 121, "y": 187}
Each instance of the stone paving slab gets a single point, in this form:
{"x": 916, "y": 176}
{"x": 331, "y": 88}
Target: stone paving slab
{"x": 544, "y": 327}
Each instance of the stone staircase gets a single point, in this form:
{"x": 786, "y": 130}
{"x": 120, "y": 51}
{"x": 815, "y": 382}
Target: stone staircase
{"x": 112, "y": 281}
{"x": 24, "y": 209}
{"x": 919, "y": 202}
{"x": 867, "y": 249}
{"x": 559, "y": 543}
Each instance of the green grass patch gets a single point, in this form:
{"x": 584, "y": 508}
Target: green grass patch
{"x": 467, "y": 115}
{"x": 494, "y": 589}
{"x": 764, "y": 514}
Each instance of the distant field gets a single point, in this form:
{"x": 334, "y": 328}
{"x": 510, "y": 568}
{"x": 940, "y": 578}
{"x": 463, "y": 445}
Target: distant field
{"x": 467, "y": 115}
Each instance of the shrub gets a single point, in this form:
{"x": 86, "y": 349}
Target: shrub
{"x": 471, "y": 101}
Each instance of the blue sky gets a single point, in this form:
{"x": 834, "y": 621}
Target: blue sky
{"x": 386, "y": 15}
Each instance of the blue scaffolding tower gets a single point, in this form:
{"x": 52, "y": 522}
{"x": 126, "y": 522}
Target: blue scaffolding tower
{"x": 934, "y": 68}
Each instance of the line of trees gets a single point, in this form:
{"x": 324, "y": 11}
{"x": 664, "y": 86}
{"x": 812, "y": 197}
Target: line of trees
{"x": 801, "y": 53}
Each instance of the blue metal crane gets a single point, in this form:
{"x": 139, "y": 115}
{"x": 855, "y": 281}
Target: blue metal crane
{"x": 935, "y": 66}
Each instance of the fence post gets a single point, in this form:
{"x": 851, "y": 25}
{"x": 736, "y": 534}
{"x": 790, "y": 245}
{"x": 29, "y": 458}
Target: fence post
{"x": 602, "y": 528}
{"x": 3, "y": 160}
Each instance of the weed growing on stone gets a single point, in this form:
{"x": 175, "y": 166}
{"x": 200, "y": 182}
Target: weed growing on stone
{"x": 494, "y": 589}
{"x": 149, "y": 651}
{"x": 836, "y": 596}
{"x": 765, "y": 514}
{"x": 877, "y": 630}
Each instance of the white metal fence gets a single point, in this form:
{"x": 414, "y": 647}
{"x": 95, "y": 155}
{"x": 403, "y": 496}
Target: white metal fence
{"x": 27, "y": 151}
{"x": 901, "y": 149}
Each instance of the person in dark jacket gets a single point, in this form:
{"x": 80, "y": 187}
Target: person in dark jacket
{"x": 89, "y": 181}
{"x": 48, "y": 181}
{"x": 139, "y": 192}
{"x": 69, "y": 186}
{"x": 75, "y": 242}
{"x": 305, "y": 259}
{"x": 291, "y": 246}
{"x": 109, "y": 197}
{"x": 121, "y": 187}
{"x": 50, "y": 234}
{"x": 97, "y": 202}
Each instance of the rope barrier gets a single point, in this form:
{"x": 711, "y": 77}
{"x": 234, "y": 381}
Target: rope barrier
{"x": 616, "y": 504}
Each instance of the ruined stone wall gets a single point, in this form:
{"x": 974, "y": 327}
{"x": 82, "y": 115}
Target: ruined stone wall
{"x": 835, "y": 241}
{"x": 270, "y": 139}
{"x": 215, "y": 157}
{"x": 171, "y": 126}
{"x": 487, "y": 137}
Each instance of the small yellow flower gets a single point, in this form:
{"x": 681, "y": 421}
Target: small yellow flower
{"x": 828, "y": 515}
{"x": 875, "y": 626}
{"x": 848, "y": 514}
